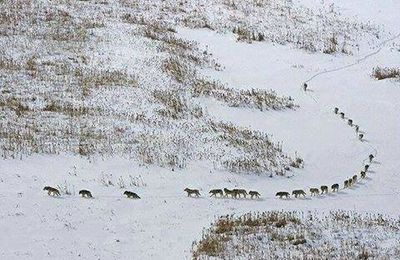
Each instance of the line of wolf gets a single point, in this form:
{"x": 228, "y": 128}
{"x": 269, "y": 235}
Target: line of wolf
{"x": 350, "y": 123}
{"x": 324, "y": 189}
{"x": 235, "y": 193}
{"x": 87, "y": 194}
{"x": 238, "y": 193}
{"x": 335, "y": 187}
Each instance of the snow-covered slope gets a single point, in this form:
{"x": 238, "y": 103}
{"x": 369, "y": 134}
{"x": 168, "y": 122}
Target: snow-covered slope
{"x": 164, "y": 222}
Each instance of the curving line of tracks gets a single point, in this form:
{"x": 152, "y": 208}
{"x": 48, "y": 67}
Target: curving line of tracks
{"x": 358, "y": 61}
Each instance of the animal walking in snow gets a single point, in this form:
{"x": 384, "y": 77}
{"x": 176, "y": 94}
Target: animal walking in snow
{"x": 314, "y": 191}
{"x": 350, "y": 182}
{"x": 282, "y": 194}
{"x": 336, "y": 110}
{"x": 342, "y": 115}
{"x": 52, "y": 191}
{"x": 191, "y": 192}
{"x": 305, "y": 86}
{"x": 85, "y": 193}
{"x": 366, "y": 167}
{"x": 324, "y": 189}
{"x": 131, "y": 195}
{"x": 357, "y": 128}
{"x": 216, "y": 192}
{"x": 360, "y": 137}
{"x": 354, "y": 178}
{"x": 297, "y": 193}
{"x": 350, "y": 122}
{"x": 370, "y": 157}
{"x": 363, "y": 174}
{"x": 239, "y": 192}
{"x": 346, "y": 183}
{"x": 254, "y": 193}
{"x": 335, "y": 187}
{"x": 228, "y": 192}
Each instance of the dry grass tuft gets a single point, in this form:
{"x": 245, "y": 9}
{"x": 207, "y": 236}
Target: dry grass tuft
{"x": 385, "y": 73}
{"x": 296, "y": 235}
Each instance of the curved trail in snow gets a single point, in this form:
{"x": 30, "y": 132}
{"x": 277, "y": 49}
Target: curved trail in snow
{"x": 358, "y": 61}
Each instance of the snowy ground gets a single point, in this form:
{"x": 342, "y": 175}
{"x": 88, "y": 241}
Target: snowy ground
{"x": 163, "y": 224}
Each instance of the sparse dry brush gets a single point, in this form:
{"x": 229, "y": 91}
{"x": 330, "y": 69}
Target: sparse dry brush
{"x": 251, "y": 98}
{"x": 385, "y": 73}
{"x": 282, "y": 22}
{"x": 67, "y": 87}
{"x": 179, "y": 70}
{"x": 249, "y": 151}
{"x": 298, "y": 235}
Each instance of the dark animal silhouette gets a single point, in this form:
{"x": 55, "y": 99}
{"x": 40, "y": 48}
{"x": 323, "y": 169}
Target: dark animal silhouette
{"x": 335, "y": 187}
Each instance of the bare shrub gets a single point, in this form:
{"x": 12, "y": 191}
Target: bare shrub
{"x": 331, "y": 45}
{"x": 173, "y": 102}
{"x": 385, "y": 73}
{"x": 65, "y": 188}
{"x": 95, "y": 78}
{"x": 177, "y": 69}
{"x": 66, "y": 91}
{"x": 121, "y": 183}
{"x": 136, "y": 181}
{"x": 298, "y": 235}
{"x": 254, "y": 98}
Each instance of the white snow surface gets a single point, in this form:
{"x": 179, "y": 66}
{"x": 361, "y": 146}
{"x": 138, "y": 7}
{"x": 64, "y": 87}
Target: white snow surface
{"x": 164, "y": 222}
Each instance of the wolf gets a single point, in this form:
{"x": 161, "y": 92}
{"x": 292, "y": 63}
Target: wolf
{"x": 190, "y": 192}
{"x": 131, "y": 195}
{"x": 85, "y": 193}
{"x": 335, "y": 187}
{"x": 238, "y": 192}
{"x": 314, "y": 191}
{"x": 215, "y": 192}
{"x": 336, "y": 110}
{"x": 371, "y": 157}
{"x": 324, "y": 189}
{"x": 283, "y": 194}
{"x": 297, "y": 193}
{"x": 52, "y": 191}
{"x": 254, "y": 193}
{"x": 350, "y": 122}
{"x": 350, "y": 182}
{"x": 228, "y": 192}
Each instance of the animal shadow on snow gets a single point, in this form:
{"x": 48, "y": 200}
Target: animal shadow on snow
{"x": 56, "y": 197}
{"x": 304, "y": 198}
{"x": 332, "y": 194}
{"x": 321, "y": 196}
{"x": 197, "y": 198}
{"x": 354, "y": 187}
{"x": 256, "y": 199}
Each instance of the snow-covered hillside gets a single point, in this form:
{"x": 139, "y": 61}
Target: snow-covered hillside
{"x": 155, "y": 97}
